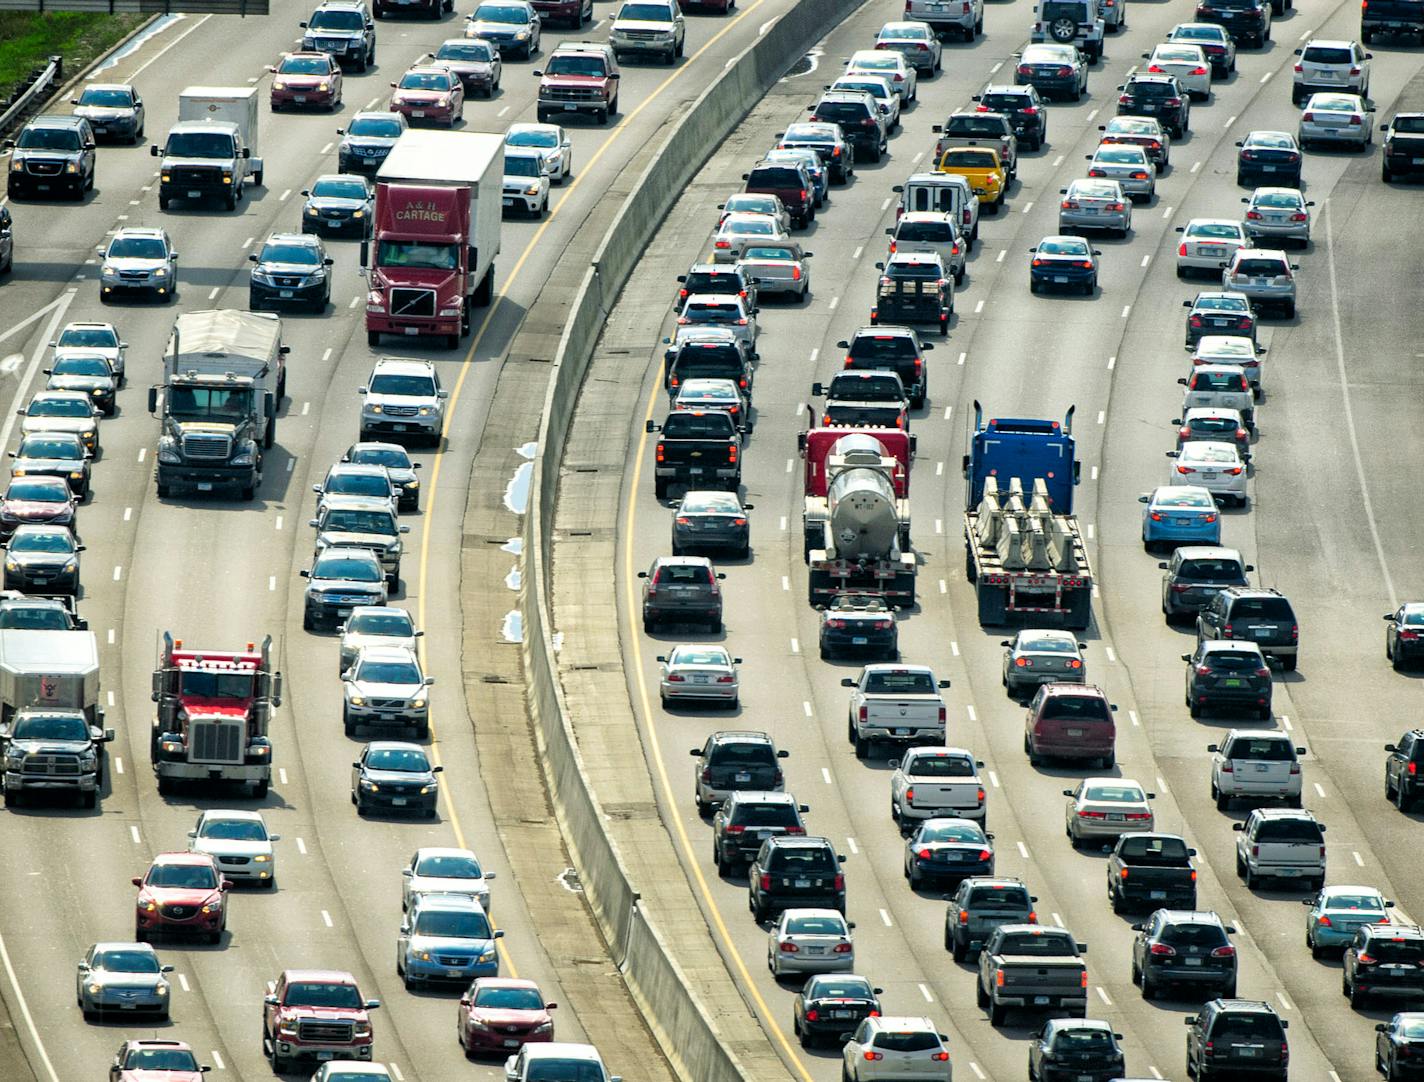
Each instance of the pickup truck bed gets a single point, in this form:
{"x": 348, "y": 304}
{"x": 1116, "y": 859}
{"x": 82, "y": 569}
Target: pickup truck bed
{"x": 1031, "y": 967}
{"x": 699, "y": 449}
{"x": 1151, "y": 871}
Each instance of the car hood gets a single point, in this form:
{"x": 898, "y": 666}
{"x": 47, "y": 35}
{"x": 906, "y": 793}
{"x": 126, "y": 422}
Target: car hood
{"x": 57, "y": 424}
{"x": 313, "y": 33}
{"x": 297, "y": 269}
{"x": 343, "y": 539}
{"x": 104, "y": 112}
{"x": 296, "y": 81}
{"x": 572, "y": 80}
{"x": 217, "y": 160}
{"x": 45, "y": 466}
{"x": 386, "y": 691}
{"x": 43, "y": 747}
{"x": 80, "y": 383}
{"x": 390, "y": 777}
{"x": 41, "y": 559}
{"x": 354, "y": 641}
{"x": 642, "y": 24}
{"x": 347, "y": 586}
{"x": 376, "y": 399}
{"x": 380, "y": 142}
{"x": 129, "y": 980}
{"x": 492, "y": 1017}
{"x": 419, "y": 94}
{"x": 222, "y": 847}
{"x": 126, "y": 263}
{"x": 21, "y": 153}
{"x": 160, "y": 1076}
{"x": 468, "y": 67}
{"x": 34, "y": 509}
{"x": 449, "y": 943}
{"x": 182, "y": 895}
{"x": 489, "y": 30}
{"x": 335, "y": 202}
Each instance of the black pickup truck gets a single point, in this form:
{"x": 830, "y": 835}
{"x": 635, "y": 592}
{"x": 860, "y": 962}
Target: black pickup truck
{"x": 914, "y": 287}
{"x": 1403, "y": 146}
{"x": 1391, "y": 17}
{"x": 1151, "y": 871}
{"x": 864, "y": 399}
{"x": 700, "y": 449}
{"x": 1032, "y": 967}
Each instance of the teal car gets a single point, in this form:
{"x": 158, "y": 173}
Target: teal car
{"x": 1335, "y": 913}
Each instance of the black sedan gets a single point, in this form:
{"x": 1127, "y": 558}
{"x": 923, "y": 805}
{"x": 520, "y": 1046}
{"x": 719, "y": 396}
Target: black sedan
{"x": 712, "y": 521}
{"x": 1063, "y": 263}
{"x": 43, "y": 560}
{"x": 90, "y": 373}
{"x": 54, "y": 454}
{"x": 394, "y": 776}
{"x": 339, "y": 205}
{"x": 1268, "y": 157}
{"x": 291, "y": 269}
{"x": 1404, "y": 637}
{"x": 1075, "y": 1050}
{"x": 831, "y": 1004}
{"x": 1399, "y": 1046}
{"x": 948, "y": 849}
{"x": 855, "y": 623}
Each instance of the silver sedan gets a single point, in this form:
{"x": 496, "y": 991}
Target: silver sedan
{"x": 1187, "y": 62}
{"x": 1106, "y": 808}
{"x": 701, "y": 673}
{"x": 1207, "y": 243}
{"x": 1337, "y": 118}
{"x": 1129, "y": 166}
{"x": 1035, "y": 656}
{"x": 1278, "y": 213}
{"x": 777, "y": 269}
{"x": 124, "y": 978}
{"x": 755, "y": 203}
{"x": 708, "y": 393}
{"x": 916, "y": 42}
{"x": 1095, "y": 204}
{"x": 810, "y": 941}
{"x": 1140, "y": 131}
{"x": 719, "y": 310}
{"x": 740, "y": 230}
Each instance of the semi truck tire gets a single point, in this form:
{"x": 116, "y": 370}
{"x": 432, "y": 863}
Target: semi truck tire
{"x": 484, "y": 292}
{"x": 373, "y": 338}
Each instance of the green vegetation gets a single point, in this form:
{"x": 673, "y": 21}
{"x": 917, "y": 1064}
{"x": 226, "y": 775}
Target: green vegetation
{"x": 27, "y": 39}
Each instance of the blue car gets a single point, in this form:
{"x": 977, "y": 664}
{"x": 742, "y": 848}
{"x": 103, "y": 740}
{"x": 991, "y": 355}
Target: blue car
{"x": 446, "y": 937}
{"x": 1336, "y": 912}
{"x": 1180, "y": 514}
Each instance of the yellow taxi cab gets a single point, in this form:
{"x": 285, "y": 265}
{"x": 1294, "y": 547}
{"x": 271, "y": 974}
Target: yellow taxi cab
{"x": 982, "y": 168}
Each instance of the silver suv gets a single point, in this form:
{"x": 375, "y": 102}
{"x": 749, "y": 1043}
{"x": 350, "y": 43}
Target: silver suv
{"x": 1265, "y": 276}
{"x": 138, "y": 259}
{"x": 362, "y": 523}
{"x": 1340, "y": 66}
{"x": 386, "y": 687}
{"x": 403, "y": 397}
{"x": 375, "y": 625}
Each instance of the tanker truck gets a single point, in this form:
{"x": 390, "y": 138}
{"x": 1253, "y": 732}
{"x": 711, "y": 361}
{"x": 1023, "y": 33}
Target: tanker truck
{"x": 856, "y": 543}
{"x": 825, "y": 452}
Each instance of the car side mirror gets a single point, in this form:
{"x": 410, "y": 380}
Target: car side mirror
{"x": 226, "y": 885}
{"x": 847, "y": 682}
{"x": 880, "y": 266}
{"x": 270, "y": 1001}
{"x": 1067, "y": 792}
{"x": 1238, "y": 826}
{"x": 1182, "y": 381}
{"x": 372, "y": 1004}
{"x": 1186, "y": 657}
{"x": 1185, "y": 304}
{"x": 944, "y": 683}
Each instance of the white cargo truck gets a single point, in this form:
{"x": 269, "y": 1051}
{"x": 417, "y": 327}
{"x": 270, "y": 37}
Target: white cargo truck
{"x": 212, "y": 152}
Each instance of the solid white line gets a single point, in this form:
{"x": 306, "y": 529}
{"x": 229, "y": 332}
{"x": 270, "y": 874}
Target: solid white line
{"x": 970, "y": 711}
{"x": 326, "y": 918}
{"x": 301, "y": 847}
{"x": 133, "y": 833}
{"x": 795, "y": 646}
{"x": 118, "y": 764}
{"x": 1284, "y": 1002}
{"x": 806, "y": 707}
{"x": 1103, "y": 995}
{"x": 993, "y": 779}
{"x": 1350, "y": 411}
{"x": 886, "y": 918}
{"x": 1023, "y": 850}
{"x": 1359, "y": 860}
{"x": 924, "y": 991}
{"x": 826, "y": 775}
{"x": 24, "y": 1005}
{"x": 217, "y": 1059}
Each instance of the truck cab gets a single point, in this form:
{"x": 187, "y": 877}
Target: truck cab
{"x": 895, "y": 703}
{"x": 315, "y": 1014}
{"x": 53, "y": 751}
{"x": 869, "y": 398}
{"x": 1009, "y": 447}
{"x": 210, "y": 153}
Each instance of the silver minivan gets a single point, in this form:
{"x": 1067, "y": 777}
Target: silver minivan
{"x": 933, "y": 232}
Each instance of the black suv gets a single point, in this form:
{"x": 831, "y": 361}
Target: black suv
{"x": 1404, "y": 769}
{"x": 1244, "y": 614}
{"x": 1159, "y": 96}
{"x": 1024, "y": 108}
{"x": 896, "y": 348}
{"x": 858, "y": 116}
{"x": 714, "y": 278}
{"x": 1180, "y": 948}
{"x": 52, "y": 153}
{"x": 829, "y": 1004}
{"x": 795, "y": 873}
{"x": 1226, "y": 673}
{"x": 981, "y": 904}
{"x": 1196, "y": 574}
{"x": 1403, "y": 146}
{"x": 1076, "y": 1048}
{"x": 735, "y": 761}
{"x": 828, "y": 141}
{"x": 681, "y": 589}
{"x": 711, "y": 354}
{"x": 1385, "y": 961}
{"x": 1235, "y": 1039}
{"x": 345, "y": 30}
{"x": 1248, "y": 21}
{"x": 746, "y": 819}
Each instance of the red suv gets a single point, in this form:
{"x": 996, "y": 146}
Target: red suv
{"x": 316, "y": 1014}
{"x": 499, "y": 1013}
{"x": 1070, "y": 721}
{"x": 182, "y": 893}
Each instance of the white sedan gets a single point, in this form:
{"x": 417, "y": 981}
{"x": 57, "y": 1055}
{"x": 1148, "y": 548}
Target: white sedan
{"x": 1188, "y": 63}
{"x": 739, "y": 230}
{"x": 892, "y": 65}
{"x": 1337, "y": 118}
{"x": 1207, "y": 243}
{"x": 435, "y": 870}
{"x": 703, "y": 673}
{"x": 810, "y": 941}
{"x": 1106, "y": 808}
{"x": 1218, "y": 467}
{"x": 706, "y": 393}
{"x": 239, "y": 841}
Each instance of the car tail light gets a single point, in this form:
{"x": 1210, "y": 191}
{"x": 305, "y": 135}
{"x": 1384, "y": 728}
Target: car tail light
{"x": 985, "y": 854}
{"x": 999, "y": 978}
{"x": 1118, "y": 207}
{"x": 1185, "y": 470}
{"x": 1307, "y": 116}
{"x": 1235, "y": 471}
{"x": 980, "y": 795}
{"x": 1064, "y": 73}
{"x": 873, "y": 1055}
{"x": 1023, "y": 662}
{"x": 722, "y": 244}
{"x": 863, "y": 716}
{"x": 736, "y": 830}
{"x": 839, "y": 883}
{"x": 1294, "y": 767}
{"x": 676, "y": 678}
{"x": 964, "y": 916}
{"x": 836, "y": 624}
{"x": 789, "y": 948}
{"x": 1199, "y": 71}
{"x": 725, "y": 679}
{"x": 796, "y": 830}
{"x": 966, "y": 216}
{"x": 1298, "y": 68}
{"x": 1180, "y": 587}
{"x": 843, "y": 948}
{"x": 1095, "y": 172}
{"x": 1068, "y": 204}
{"x": 706, "y": 775}
{"x": 894, "y": 247}
{"x": 682, "y": 294}
{"x": 1038, "y": 263}
{"x": 981, "y": 108}
{"x": 651, "y": 588}
{"x": 1086, "y": 264}
{"x": 1354, "y": 71}
{"x": 1298, "y": 217}
{"x": 924, "y": 854}
{"x": 1083, "y": 982}
{"x": 1285, "y": 1053}
{"x": 1137, "y": 817}
{"x": 1182, "y": 251}
{"x": 1086, "y": 814}
{"x": 1413, "y": 768}
{"x": 1031, "y": 110}
{"x": 796, "y": 273}
{"x": 1032, "y": 918}
{"x": 1204, "y": 670}
{"x": 731, "y": 457}
{"x": 1356, "y": 120}
{"x": 765, "y": 882}
{"x": 942, "y": 717}
{"x": 1024, "y": 69}
{"x": 1295, "y": 632}
{"x": 1263, "y": 671}
{"x": 814, "y": 1014}
{"x": 1245, "y": 323}
{"x": 1124, "y": 99}
{"x": 1155, "y": 69}
{"x": 778, "y": 778}
{"x": 1255, "y": 850}
{"x": 1162, "y": 950}
{"x": 1174, "y": 101}
{"x": 943, "y": 1057}
{"x": 1365, "y": 959}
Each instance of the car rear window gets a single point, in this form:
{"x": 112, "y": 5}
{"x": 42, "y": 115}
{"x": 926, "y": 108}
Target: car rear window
{"x": 1320, "y": 54}
{"x": 698, "y": 425}
{"x": 1015, "y": 898}
{"x": 773, "y": 177}
{"x": 1193, "y": 935}
{"x": 1005, "y": 102}
{"x": 742, "y": 753}
{"x": 1082, "y": 1040}
{"x": 941, "y": 231}
{"x": 1257, "y": 1026}
{"x": 1396, "y": 950}
{"x": 1289, "y": 830}
{"x": 842, "y": 110}
{"x": 1144, "y": 88}
{"x": 713, "y": 312}
{"x": 713, "y": 282}
{"x": 1149, "y": 850}
{"x": 1266, "y": 608}
{"x": 974, "y": 125}
{"x": 1076, "y": 707}
{"x": 941, "y": 766}
{"x": 882, "y": 346}
{"x": 1212, "y": 424}
{"x": 900, "y": 683}
{"x": 1261, "y": 267}
{"x": 907, "y": 1042}
{"x": 1210, "y": 571}
{"x": 683, "y": 575}
{"x": 1276, "y": 751}
{"x": 1219, "y": 381}
{"x": 801, "y": 859}
{"x": 765, "y": 815}
{"x": 1233, "y": 660}
{"x": 1054, "y": 11}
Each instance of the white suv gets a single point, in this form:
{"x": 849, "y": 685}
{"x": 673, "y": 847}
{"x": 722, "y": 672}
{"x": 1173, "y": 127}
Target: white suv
{"x": 653, "y": 27}
{"x": 385, "y": 687}
{"x": 1339, "y": 66}
{"x": 138, "y": 259}
{"x": 403, "y": 397}
{"x": 1254, "y": 765}
{"x": 526, "y": 181}
{"x": 1276, "y": 843}
{"x": 896, "y": 1048}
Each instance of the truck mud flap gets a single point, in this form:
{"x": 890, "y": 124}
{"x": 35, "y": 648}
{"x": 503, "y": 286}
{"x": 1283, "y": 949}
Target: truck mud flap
{"x": 1079, "y": 610}
{"x": 993, "y": 606}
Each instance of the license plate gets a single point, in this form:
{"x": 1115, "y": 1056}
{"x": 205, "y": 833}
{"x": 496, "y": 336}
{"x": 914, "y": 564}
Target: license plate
{"x": 128, "y": 1006}
{"x": 42, "y": 187}
{"x": 193, "y": 193}
{"x": 1268, "y": 168}
{"x": 1209, "y": 475}
{"x": 398, "y": 801}
{"x": 1417, "y": 161}
{"x": 400, "y": 428}
{"x": 1247, "y": 1053}
{"x": 101, "y": 131}
{"x": 842, "y": 1014}
{"x": 300, "y": 99}
{"x": 1184, "y": 521}
{"x": 40, "y": 580}
{"x": 1060, "y": 278}
{"x": 326, "y": 1055}
{"x": 701, "y": 678}
{"x": 1074, "y": 732}
{"x": 902, "y": 732}
{"x": 742, "y": 776}
{"x": 859, "y": 640}
{"x": 1261, "y": 768}
{"x": 1156, "y": 894}
{"x": 763, "y": 834}
{"x": 815, "y": 950}
{"x": 1232, "y": 684}
{"x": 1193, "y": 961}
{"x": 454, "y": 973}
{"x": 1040, "y": 1001}
{"x": 1287, "y": 873}
{"x": 285, "y": 294}
{"x": 417, "y": 112}
{"x": 205, "y": 486}
{"x": 510, "y": 1042}
{"x": 1115, "y": 817}
{"x": 335, "y": 221}
{"x": 802, "y": 884}
{"x": 1261, "y": 632}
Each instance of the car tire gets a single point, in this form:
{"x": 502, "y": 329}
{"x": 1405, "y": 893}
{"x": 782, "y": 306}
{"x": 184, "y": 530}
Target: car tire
{"x": 997, "y": 1014}
{"x": 1251, "y": 878}
{"x": 1149, "y": 990}
{"x": 1223, "y": 801}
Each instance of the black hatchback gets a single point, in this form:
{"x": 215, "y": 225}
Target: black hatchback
{"x": 1228, "y": 674}
{"x": 1159, "y": 96}
{"x": 1248, "y": 21}
{"x": 1177, "y": 948}
{"x": 795, "y": 873}
{"x": 1237, "y": 1039}
{"x": 829, "y": 1004}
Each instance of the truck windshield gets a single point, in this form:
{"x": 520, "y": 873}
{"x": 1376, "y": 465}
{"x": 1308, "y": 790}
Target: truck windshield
{"x": 214, "y": 685}
{"x": 900, "y": 683}
{"x": 590, "y": 66}
{"x": 420, "y": 255}
{"x": 862, "y": 388}
{"x": 348, "y": 521}
{"x": 50, "y": 727}
{"x": 200, "y": 144}
{"x": 209, "y": 403}
{"x": 940, "y": 766}
{"x": 35, "y": 618}
{"x": 304, "y": 994}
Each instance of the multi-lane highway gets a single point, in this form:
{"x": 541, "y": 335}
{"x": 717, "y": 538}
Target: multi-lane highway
{"x": 1330, "y": 523}
{"x": 221, "y": 573}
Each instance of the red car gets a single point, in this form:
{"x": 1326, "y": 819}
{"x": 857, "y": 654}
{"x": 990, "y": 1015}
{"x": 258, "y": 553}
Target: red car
{"x": 47, "y": 500}
{"x": 182, "y": 893}
{"x": 500, "y": 1013}
{"x": 1070, "y": 721}
{"x": 306, "y": 79}
{"x": 434, "y": 94}
{"x": 156, "y": 1061}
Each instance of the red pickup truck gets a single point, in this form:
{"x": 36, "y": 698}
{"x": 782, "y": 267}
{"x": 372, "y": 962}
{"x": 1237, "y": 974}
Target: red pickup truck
{"x": 315, "y": 1014}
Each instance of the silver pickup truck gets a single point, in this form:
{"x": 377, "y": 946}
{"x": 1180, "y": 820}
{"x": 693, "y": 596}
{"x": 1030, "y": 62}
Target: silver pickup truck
{"x": 899, "y": 704}
{"x": 1034, "y": 968}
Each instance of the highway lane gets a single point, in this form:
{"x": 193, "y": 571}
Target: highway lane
{"x": 223, "y": 572}
{"x": 1034, "y": 357}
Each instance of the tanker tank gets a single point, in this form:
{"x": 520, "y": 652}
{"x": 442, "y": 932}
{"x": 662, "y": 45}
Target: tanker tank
{"x": 864, "y": 523}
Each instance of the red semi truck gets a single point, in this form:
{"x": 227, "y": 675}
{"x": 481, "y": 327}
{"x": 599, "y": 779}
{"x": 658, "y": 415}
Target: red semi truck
{"x": 431, "y": 256}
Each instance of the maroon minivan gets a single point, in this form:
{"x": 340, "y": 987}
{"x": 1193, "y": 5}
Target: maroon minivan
{"x": 1070, "y": 721}
{"x": 788, "y": 181}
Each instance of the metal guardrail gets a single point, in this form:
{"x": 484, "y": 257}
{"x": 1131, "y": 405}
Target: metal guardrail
{"x": 41, "y": 83}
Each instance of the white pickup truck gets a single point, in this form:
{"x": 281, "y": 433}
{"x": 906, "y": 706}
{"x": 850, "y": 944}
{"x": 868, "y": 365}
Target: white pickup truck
{"x": 933, "y": 782}
{"x": 898, "y": 704}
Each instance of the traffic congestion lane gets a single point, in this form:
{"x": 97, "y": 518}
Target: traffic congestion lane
{"x": 238, "y": 540}
{"x": 767, "y": 587}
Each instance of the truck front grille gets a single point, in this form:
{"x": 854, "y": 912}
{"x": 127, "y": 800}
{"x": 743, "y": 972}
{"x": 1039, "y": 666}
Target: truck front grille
{"x": 43, "y": 168}
{"x": 194, "y": 176}
{"x": 572, "y": 93}
{"x": 215, "y": 741}
{"x": 413, "y": 302}
{"x": 313, "y": 1031}
{"x": 52, "y": 765}
{"x": 398, "y": 411}
{"x": 211, "y": 447}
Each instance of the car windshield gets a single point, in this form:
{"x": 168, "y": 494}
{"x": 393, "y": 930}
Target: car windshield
{"x": 1095, "y": 190}
{"x": 346, "y": 567}
{"x": 375, "y": 127}
{"x": 510, "y": 999}
{"x": 137, "y": 248}
{"x": 382, "y": 624}
{"x": 1082, "y": 1039}
{"x": 234, "y": 830}
{"x": 877, "y": 63}
{"x": 1113, "y": 794}
{"x": 683, "y": 574}
{"x": 1412, "y": 1028}
{"x": 648, "y": 13}
{"x": 1045, "y": 944}
{"x": 1211, "y": 570}
{"x": 35, "y": 618}
{"x": 1088, "y": 707}
{"x": 395, "y": 384}
{"x": 522, "y": 165}
{"x": 1261, "y": 268}
{"x": 815, "y": 926}
{"x": 82, "y": 366}
{"x": 304, "y": 65}
{"x": 1209, "y": 453}
{"x": 49, "y": 727}
{"x": 867, "y": 388}
{"x": 339, "y": 188}
{"x": 400, "y": 760}
{"x": 92, "y": 337}
{"x": 1198, "y": 33}
{"x": 1047, "y": 644}
{"x": 1075, "y": 248}
{"x": 882, "y": 347}
{"x": 811, "y": 133}
{"x": 899, "y": 682}
{"x": 1147, "y": 849}
{"x": 48, "y": 447}
{"x": 281, "y": 252}
{"x": 696, "y": 424}
{"x": 1050, "y": 54}
{"x": 160, "y": 1059}
{"x": 1053, "y": 11}
{"x": 336, "y": 20}
{"x": 1120, "y": 155}
{"x": 932, "y": 765}
{"x": 190, "y": 876}
{"x": 449, "y": 866}
{"x": 345, "y": 521}
{"x": 476, "y": 51}
{"x": 41, "y": 542}
{"x": 107, "y": 98}
{"x": 311, "y": 994}
{"x": 425, "y": 80}
{"x": 388, "y": 672}
{"x": 500, "y": 13}
{"x": 390, "y": 457}
{"x": 46, "y": 138}
{"x": 952, "y": 832}
{"x": 974, "y": 124}
{"x": 454, "y": 924}
{"x": 592, "y": 67}
{"x": 1234, "y": 660}
{"x": 902, "y": 33}
{"x": 533, "y": 137}
{"x": 766, "y": 815}
{"x": 1412, "y": 616}
{"x": 38, "y": 490}
{"x": 126, "y": 961}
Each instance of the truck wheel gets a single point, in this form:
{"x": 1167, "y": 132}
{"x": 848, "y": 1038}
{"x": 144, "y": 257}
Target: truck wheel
{"x": 373, "y": 338}
{"x": 249, "y": 492}
{"x": 452, "y": 341}
{"x": 165, "y": 786}
{"x": 484, "y": 292}
{"x": 12, "y": 798}
{"x": 660, "y": 487}
{"x": 997, "y": 1014}
{"x": 162, "y": 201}
{"x": 862, "y": 746}
{"x": 231, "y": 201}
{"x": 89, "y": 800}
{"x": 259, "y": 789}
{"x": 958, "y": 950}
